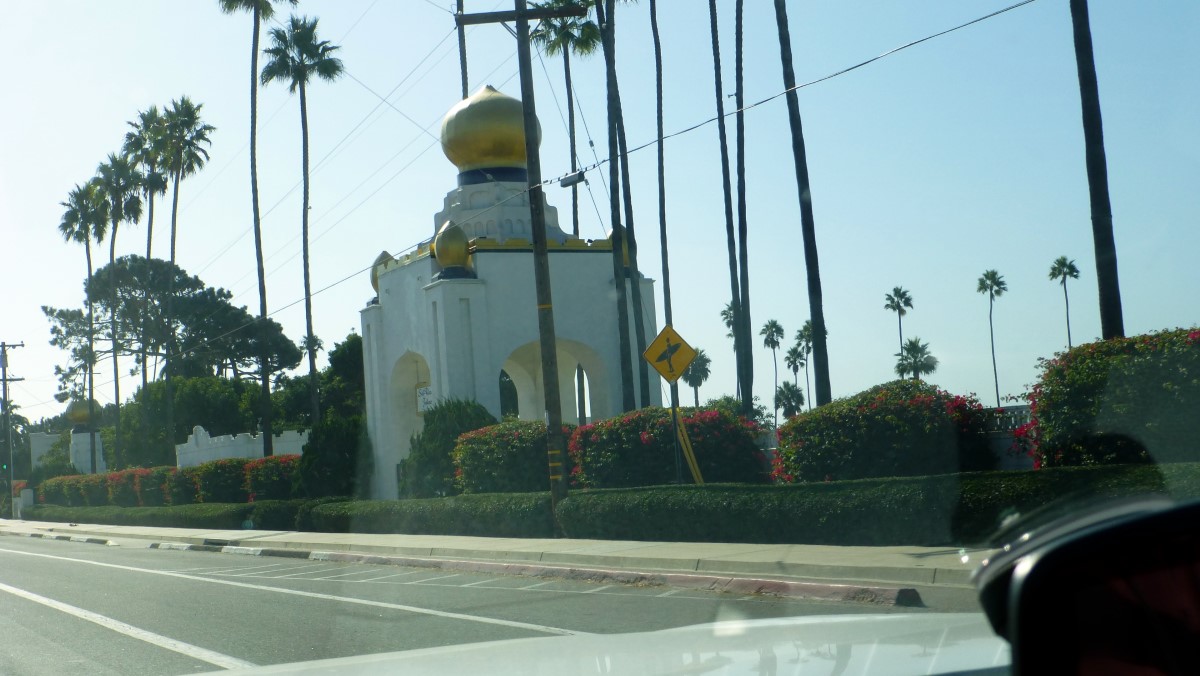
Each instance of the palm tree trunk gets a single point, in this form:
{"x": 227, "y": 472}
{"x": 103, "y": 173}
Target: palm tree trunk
{"x": 1112, "y": 323}
{"x": 743, "y": 254}
{"x": 775, "y": 362}
{"x": 169, "y": 366}
{"x": 112, "y": 324}
{"x": 566, "y": 52}
{"x": 662, "y": 176}
{"x": 91, "y": 361}
{"x": 992, "y": 333}
{"x": 807, "y": 225}
{"x": 1067, "y": 303}
{"x": 313, "y": 393}
{"x": 264, "y": 358}
{"x": 628, "y": 402}
{"x": 807, "y": 387}
{"x": 635, "y": 277}
{"x": 146, "y": 291}
{"x": 731, "y": 242}
{"x": 696, "y": 395}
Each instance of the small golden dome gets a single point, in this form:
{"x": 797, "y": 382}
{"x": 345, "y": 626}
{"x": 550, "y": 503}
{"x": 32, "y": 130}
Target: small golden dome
{"x": 485, "y": 130}
{"x": 77, "y": 412}
{"x": 450, "y": 246}
{"x": 380, "y": 260}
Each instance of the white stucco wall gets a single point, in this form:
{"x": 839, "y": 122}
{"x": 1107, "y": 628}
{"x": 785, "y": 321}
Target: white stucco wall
{"x": 201, "y": 448}
{"x": 81, "y": 450}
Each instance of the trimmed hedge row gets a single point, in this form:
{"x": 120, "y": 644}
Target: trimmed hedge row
{"x": 233, "y": 480}
{"x": 488, "y": 515}
{"x": 935, "y": 510}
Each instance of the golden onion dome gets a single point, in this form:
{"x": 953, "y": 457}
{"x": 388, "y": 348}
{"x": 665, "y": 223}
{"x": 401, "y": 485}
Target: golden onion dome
{"x": 485, "y": 130}
{"x": 77, "y": 412}
{"x": 450, "y": 246}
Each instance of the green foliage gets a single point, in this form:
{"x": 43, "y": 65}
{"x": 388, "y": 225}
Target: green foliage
{"x": 337, "y": 459}
{"x": 429, "y": 469}
{"x": 1120, "y": 400}
{"x": 208, "y": 516}
{"x": 493, "y": 515}
{"x": 509, "y": 457}
{"x": 182, "y": 486}
{"x": 151, "y": 485}
{"x": 93, "y": 489}
{"x": 55, "y": 462}
{"x": 122, "y": 490}
{"x": 222, "y": 480}
{"x": 304, "y": 521}
{"x": 733, "y": 406}
{"x": 272, "y": 478}
{"x": 637, "y": 449}
{"x": 901, "y": 428}
{"x": 952, "y": 509}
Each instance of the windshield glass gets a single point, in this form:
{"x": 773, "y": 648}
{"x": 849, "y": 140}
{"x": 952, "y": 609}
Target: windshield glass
{"x": 789, "y": 310}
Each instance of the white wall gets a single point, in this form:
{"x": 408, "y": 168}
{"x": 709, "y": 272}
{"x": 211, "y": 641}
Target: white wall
{"x": 201, "y": 448}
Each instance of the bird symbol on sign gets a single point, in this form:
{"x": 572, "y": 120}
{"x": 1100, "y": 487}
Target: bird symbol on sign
{"x": 668, "y": 353}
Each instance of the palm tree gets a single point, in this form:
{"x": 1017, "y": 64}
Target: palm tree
{"x": 184, "y": 141}
{"x": 608, "y": 41}
{"x": 296, "y": 55}
{"x": 897, "y": 301}
{"x": 120, "y": 186}
{"x": 260, "y": 10}
{"x": 819, "y": 333}
{"x": 83, "y": 221}
{"x": 914, "y": 358}
{"x": 735, "y": 306}
{"x": 696, "y": 373}
{"x": 804, "y": 340}
{"x": 772, "y": 334}
{"x": 145, "y": 145}
{"x": 992, "y": 283}
{"x": 1112, "y": 323}
{"x": 564, "y": 35}
{"x": 1064, "y": 269}
{"x": 739, "y": 97}
{"x": 789, "y": 398}
{"x": 794, "y": 359}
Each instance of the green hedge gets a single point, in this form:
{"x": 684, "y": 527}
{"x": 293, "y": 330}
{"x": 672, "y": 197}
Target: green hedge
{"x": 506, "y": 458}
{"x": 272, "y": 478}
{"x": 932, "y": 510}
{"x": 494, "y": 515}
{"x": 901, "y": 428}
{"x": 1119, "y": 401}
{"x": 637, "y": 449}
{"x": 266, "y": 515}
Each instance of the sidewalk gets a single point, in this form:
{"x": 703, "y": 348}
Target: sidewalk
{"x": 876, "y": 574}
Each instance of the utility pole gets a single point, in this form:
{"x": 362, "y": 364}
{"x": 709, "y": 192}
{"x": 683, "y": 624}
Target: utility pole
{"x": 555, "y": 443}
{"x": 5, "y": 380}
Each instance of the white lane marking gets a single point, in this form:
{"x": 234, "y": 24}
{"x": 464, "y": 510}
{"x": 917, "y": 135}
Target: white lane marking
{"x": 186, "y": 649}
{"x": 597, "y": 589}
{"x": 478, "y": 582}
{"x": 268, "y": 573}
{"x": 665, "y": 594}
{"x": 334, "y": 577}
{"x": 534, "y": 585}
{"x": 431, "y": 579}
{"x": 315, "y": 595}
{"x": 309, "y": 572}
{"x": 384, "y": 577}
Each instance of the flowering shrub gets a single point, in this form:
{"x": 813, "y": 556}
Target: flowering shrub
{"x": 506, "y": 458}
{"x": 152, "y": 485}
{"x": 429, "y": 470}
{"x": 637, "y": 449}
{"x": 59, "y": 490}
{"x": 271, "y": 478}
{"x": 1118, "y": 401}
{"x": 222, "y": 480}
{"x": 19, "y": 486}
{"x": 901, "y": 428}
{"x": 93, "y": 488}
{"x": 182, "y": 486}
{"x": 121, "y": 488}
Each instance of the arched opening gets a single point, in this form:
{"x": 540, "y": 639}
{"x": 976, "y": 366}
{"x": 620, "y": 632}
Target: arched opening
{"x": 409, "y": 393}
{"x": 510, "y": 406}
{"x": 524, "y": 369}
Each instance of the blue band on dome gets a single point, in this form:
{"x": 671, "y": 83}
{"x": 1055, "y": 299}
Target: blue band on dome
{"x": 495, "y": 174}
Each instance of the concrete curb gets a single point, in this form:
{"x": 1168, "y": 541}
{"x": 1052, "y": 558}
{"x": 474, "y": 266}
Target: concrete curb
{"x": 820, "y": 591}
{"x": 67, "y": 538}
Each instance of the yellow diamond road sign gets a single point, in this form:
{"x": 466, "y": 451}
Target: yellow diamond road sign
{"x": 669, "y": 354}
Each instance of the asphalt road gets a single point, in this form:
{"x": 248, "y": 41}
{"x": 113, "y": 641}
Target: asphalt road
{"x": 69, "y": 607}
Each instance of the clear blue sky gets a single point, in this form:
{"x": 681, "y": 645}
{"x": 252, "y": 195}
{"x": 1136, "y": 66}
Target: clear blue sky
{"x": 928, "y": 167}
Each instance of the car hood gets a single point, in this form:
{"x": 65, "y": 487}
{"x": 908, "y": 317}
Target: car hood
{"x": 924, "y": 643}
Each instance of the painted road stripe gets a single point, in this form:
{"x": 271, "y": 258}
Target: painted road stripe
{"x": 353, "y": 572}
{"x": 545, "y": 629}
{"x": 268, "y": 573}
{"x": 186, "y": 649}
{"x": 431, "y": 579}
{"x": 597, "y": 589}
{"x": 478, "y": 582}
{"x": 384, "y": 577}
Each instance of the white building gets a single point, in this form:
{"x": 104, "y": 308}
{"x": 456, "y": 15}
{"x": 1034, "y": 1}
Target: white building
{"x": 450, "y": 316}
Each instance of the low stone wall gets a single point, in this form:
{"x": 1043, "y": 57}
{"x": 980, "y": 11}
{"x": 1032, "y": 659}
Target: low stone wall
{"x": 201, "y": 448}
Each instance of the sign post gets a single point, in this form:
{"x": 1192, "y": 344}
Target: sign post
{"x": 670, "y": 355}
